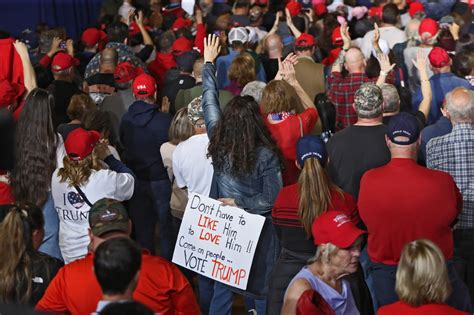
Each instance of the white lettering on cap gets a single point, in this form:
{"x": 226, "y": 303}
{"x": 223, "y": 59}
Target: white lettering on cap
{"x": 341, "y": 219}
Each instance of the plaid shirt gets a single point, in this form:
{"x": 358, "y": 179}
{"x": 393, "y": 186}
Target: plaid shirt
{"x": 341, "y": 93}
{"x": 454, "y": 153}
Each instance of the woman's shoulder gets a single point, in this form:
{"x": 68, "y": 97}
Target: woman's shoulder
{"x": 427, "y": 309}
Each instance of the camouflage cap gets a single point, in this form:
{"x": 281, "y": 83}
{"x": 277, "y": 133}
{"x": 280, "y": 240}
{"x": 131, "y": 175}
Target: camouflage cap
{"x": 108, "y": 215}
{"x": 368, "y": 100}
{"x": 195, "y": 112}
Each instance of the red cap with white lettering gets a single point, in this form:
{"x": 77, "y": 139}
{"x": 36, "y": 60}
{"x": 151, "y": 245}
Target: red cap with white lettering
{"x": 335, "y": 227}
{"x": 144, "y": 85}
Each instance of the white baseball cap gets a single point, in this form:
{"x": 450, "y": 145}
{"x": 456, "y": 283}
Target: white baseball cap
{"x": 238, "y": 34}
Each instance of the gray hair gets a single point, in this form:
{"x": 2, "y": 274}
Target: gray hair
{"x": 391, "y": 99}
{"x": 254, "y": 89}
{"x": 411, "y": 31}
{"x": 368, "y": 101}
{"x": 460, "y": 106}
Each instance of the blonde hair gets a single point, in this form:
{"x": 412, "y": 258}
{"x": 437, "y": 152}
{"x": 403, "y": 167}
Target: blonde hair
{"x": 77, "y": 173}
{"x": 422, "y": 276}
{"x": 279, "y": 96}
{"x": 180, "y": 129}
{"x": 242, "y": 69}
{"x": 324, "y": 252}
{"x": 314, "y": 188}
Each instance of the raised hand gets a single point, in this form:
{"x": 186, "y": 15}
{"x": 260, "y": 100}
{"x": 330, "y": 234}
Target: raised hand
{"x": 385, "y": 65}
{"x": 346, "y": 37}
{"x": 212, "y": 48}
{"x": 21, "y": 49}
{"x": 70, "y": 47}
{"x": 139, "y": 18}
{"x": 420, "y": 62}
{"x": 376, "y": 37}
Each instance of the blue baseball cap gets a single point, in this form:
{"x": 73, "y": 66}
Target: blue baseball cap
{"x": 311, "y": 146}
{"x": 403, "y": 129}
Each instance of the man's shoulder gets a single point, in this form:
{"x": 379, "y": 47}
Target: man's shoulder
{"x": 438, "y": 144}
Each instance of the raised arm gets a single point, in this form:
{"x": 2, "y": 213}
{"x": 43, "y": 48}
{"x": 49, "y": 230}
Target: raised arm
{"x": 146, "y": 37}
{"x": 288, "y": 74}
{"x": 210, "y": 93}
{"x": 346, "y": 37}
{"x": 385, "y": 68}
{"x": 28, "y": 71}
{"x": 420, "y": 64}
{"x": 292, "y": 27}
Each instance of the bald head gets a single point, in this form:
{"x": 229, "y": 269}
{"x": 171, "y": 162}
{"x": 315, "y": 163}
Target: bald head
{"x": 108, "y": 60}
{"x": 274, "y": 46}
{"x": 354, "y": 61}
{"x": 460, "y": 105}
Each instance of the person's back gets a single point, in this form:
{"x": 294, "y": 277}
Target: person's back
{"x": 424, "y": 204}
{"x": 76, "y": 290}
{"x": 192, "y": 167}
{"x": 353, "y": 151}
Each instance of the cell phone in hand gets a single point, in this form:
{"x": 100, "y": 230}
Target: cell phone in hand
{"x": 62, "y": 44}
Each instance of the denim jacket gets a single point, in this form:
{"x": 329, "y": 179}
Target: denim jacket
{"x": 255, "y": 193}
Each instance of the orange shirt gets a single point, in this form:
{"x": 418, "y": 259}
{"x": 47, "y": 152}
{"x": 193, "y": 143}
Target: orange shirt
{"x": 161, "y": 287}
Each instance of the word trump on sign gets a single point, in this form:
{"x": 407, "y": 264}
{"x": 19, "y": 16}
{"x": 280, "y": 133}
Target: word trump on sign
{"x": 218, "y": 241}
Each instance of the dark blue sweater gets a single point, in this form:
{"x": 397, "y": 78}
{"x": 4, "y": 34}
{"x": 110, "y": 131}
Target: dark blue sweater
{"x": 142, "y": 132}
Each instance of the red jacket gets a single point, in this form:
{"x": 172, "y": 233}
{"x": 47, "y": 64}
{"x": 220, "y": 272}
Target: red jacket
{"x": 161, "y": 287}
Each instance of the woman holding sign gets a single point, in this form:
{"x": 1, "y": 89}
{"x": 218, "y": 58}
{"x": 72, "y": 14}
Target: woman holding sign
{"x": 246, "y": 174}
{"x": 296, "y": 207}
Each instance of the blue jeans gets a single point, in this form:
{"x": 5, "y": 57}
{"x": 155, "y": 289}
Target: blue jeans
{"x": 151, "y": 203}
{"x": 50, "y": 244}
{"x": 221, "y": 303}
{"x": 206, "y": 291}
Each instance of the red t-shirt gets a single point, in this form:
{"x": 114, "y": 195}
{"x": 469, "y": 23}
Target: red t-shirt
{"x": 161, "y": 287}
{"x": 400, "y": 308}
{"x": 286, "y": 134}
{"x": 401, "y": 202}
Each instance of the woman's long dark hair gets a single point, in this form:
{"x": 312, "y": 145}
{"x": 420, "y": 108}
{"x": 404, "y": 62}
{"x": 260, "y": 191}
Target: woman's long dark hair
{"x": 238, "y": 134}
{"x": 35, "y": 149}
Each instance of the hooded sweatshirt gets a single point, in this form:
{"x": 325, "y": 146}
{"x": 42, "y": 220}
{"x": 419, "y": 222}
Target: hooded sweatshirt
{"x": 142, "y": 132}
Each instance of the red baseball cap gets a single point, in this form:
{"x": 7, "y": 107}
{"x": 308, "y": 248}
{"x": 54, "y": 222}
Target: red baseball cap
{"x": 294, "y": 7}
{"x": 92, "y": 36}
{"x": 144, "y": 85}
{"x": 63, "y": 61}
{"x": 80, "y": 143}
{"x": 335, "y": 227}
{"x": 134, "y": 29}
{"x": 180, "y": 23}
{"x": 375, "y": 11}
{"x": 336, "y": 37}
{"x": 305, "y": 40}
{"x": 9, "y": 92}
{"x": 182, "y": 45}
{"x": 416, "y": 7}
{"x": 429, "y": 26}
{"x": 320, "y": 9}
{"x": 438, "y": 57}
{"x": 125, "y": 72}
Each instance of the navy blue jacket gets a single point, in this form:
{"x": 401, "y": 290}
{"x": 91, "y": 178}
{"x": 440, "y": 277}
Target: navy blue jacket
{"x": 142, "y": 132}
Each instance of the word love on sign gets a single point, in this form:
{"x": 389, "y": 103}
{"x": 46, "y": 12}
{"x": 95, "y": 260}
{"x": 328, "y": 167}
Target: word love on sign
{"x": 218, "y": 241}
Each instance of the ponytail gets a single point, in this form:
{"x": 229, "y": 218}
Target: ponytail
{"x": 314, "y": 188}
{"x": 15, "y": 248}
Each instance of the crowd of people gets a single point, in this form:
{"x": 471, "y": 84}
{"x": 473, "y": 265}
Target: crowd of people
{"x": 347, "y": 125}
